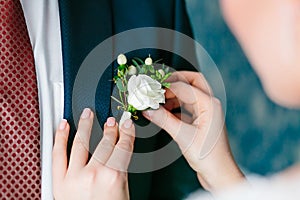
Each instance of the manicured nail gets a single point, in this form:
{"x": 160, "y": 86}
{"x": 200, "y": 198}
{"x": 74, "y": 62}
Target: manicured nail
{"x": 127, "y": 123}
{"x": 148, "y": 113}
{"x": 86, "y": 113}
{"x": 62, "y": 125}
{"x": 111, "y": 121}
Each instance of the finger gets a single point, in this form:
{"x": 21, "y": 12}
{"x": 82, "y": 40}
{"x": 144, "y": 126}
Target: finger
{"x": 184, "y": 117}
{"x": 175, "y": 103}
{"x": 165, "y": 120}
{"x": 171, "y": 104}
{"x": 193, "y": 99}
{"x": 80, "y": 148}
{"x": 196, "y": 79}
{"x": 107, "y": 143}
{"x": 122, "y": 153}
{"x": 59, "y": 153}
{"x": 185, "y": 93}
{"x": 183, "y": 133}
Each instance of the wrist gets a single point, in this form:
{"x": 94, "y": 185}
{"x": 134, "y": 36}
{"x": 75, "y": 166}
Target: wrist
{"x": 217, "y": 180}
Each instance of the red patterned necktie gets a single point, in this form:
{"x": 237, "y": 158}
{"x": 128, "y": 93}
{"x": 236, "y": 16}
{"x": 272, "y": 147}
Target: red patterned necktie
{"x": 19, "y": 112}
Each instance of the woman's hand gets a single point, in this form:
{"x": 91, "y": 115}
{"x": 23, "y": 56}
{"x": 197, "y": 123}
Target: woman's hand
{"x": 200, "y": 132}
{"x": 104, "y": 176}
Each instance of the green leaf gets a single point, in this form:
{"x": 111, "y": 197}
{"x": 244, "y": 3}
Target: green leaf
{"x": 158, "y": 75}
{"x": 151, "y": 69}
{"x": 142, "y": 71}
{"x": 121, "y": 67}
{"x": 166, "y": 85}
{"x": 166, "y": 77}
{"x": 116, "y": 78}
{"x": 120, "y": 73}
{"x": 140, "y": 60}
{"x": 153, "y": 77}
{"x": 125, "y": 73}
{"x": 136, "y": 64}
{"x": 157, "y": 61}
{"x": 120, "y": 85}
{"x": 167, "y": 70}
{"x": 145, "y": 69}
{"x": 131, "y": 109}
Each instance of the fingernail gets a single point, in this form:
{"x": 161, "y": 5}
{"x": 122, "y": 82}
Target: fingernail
{"x": 127, "y": 123}
{"x": 62, "y": 125}
{"x": 110, "y": 121}
{"x": 86, "y": 113}
{"x": 148, "y": 113}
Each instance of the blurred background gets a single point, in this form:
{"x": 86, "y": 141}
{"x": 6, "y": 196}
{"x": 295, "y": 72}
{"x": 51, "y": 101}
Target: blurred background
{"x": 264, "y": 137}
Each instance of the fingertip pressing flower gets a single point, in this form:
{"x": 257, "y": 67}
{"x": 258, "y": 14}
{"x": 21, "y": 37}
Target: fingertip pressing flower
{"x": 148, "y": 61}
{"x": 122, "y": 60}
{"x": 126, "y": 115}
{"x": 132, "y": 70}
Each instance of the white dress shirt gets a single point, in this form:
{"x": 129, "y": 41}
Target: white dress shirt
{"x": 43, "y": 23}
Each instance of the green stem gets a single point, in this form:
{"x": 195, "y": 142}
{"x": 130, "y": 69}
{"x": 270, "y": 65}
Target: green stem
{"x": 124, "y": 105}
{"x": 117, "y": 100}
{"x": 124, "y": 93}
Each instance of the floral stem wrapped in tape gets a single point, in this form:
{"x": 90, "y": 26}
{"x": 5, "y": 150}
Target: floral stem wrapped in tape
{"x": 140, "y": 85}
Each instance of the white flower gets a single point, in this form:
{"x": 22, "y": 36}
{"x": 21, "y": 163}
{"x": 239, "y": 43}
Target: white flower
{"x": 145, "y": 92}
{"x": 122, "y": 60}
{"x": 162, "y": 73}
{"x": 126, "y": 115}
{"x": 131, "y": 70}
{"x": 148, "y": 61}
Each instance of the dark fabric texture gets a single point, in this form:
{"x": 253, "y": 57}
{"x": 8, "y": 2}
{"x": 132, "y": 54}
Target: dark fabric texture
{"x": 84, "y": 25}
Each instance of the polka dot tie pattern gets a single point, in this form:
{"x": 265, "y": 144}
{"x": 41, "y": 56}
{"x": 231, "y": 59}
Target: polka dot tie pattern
{"x": 19, "y": 111}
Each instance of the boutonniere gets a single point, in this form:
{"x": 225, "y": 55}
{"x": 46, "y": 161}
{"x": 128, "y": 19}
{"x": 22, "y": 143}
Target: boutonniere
{"x": 141, "y": 85}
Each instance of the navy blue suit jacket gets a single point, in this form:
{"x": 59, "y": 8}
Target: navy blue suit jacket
{"x": 84, "y": 25}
